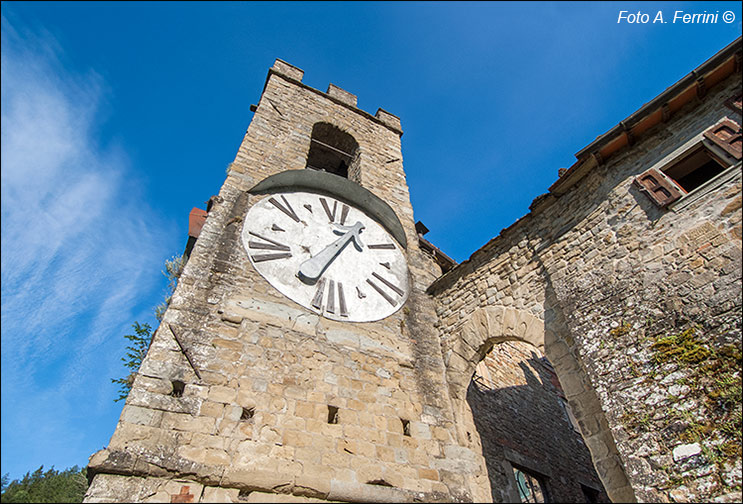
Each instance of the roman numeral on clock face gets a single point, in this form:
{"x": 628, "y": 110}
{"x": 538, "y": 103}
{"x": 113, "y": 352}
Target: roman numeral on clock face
{"x": 342, "y": 301}
{"x": 331, "y": 297}
{"x": 317, "y": 299}
{"x": 268, "y": 244}
{"x": 332, "y": 213}
{"x": 382, "y": 292}
{"x": 330, "y": 303}
{"x": 286, "y": 207}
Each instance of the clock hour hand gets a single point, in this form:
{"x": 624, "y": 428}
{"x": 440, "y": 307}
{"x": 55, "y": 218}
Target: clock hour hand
{"x": 356, "y": 238}
{"x": 313, "y": 268}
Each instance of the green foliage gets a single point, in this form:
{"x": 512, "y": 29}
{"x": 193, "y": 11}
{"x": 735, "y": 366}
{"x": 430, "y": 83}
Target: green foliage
{"x": 682, "y": 347}
{"x": 621, "y": 330}
{"x": 142, "y": 336}
{"x": 696, "y": 431}
{"x": 173, "y": 269}
{"x": 69, "y": 485}
{"x": 635, "y": 422}
{"x": 140, "y": 343}
{"x": 713, "y": 376}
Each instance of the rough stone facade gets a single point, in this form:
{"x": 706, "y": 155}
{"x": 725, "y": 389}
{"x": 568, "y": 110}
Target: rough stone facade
{"x": 641, "y": 311}
{"x": 255, "y": 419}
{"x": 637, "y": 308}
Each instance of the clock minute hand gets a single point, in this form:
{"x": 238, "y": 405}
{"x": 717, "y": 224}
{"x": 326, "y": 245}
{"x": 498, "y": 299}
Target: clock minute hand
{"x": 312, "y": 268}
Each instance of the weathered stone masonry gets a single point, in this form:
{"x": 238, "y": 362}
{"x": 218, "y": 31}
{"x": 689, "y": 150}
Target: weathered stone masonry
{"x": 256, "y": 422}
{"x": 611, "y": 275}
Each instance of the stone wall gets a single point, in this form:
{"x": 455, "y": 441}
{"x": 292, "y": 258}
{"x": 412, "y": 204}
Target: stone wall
{"x": 641, "y": 310}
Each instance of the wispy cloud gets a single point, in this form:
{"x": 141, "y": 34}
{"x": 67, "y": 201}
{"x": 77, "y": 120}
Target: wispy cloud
{"x": 78, "y": 247}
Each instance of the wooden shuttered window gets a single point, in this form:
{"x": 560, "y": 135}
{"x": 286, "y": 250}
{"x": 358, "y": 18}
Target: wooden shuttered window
{"x": 661, "y": 190}
{"x": 693, "y": 168}
{"x": 726, "y": 135}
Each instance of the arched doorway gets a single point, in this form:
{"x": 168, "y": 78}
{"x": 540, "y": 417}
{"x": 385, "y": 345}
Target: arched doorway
{"x": 532, "y": 449}
{"x": 508, "y": 452}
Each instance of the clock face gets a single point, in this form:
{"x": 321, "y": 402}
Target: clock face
{"x": 327, "y": 256}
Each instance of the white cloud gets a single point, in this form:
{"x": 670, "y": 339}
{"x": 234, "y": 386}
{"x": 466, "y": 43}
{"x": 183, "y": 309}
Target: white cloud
{"x": 78, "y": 248}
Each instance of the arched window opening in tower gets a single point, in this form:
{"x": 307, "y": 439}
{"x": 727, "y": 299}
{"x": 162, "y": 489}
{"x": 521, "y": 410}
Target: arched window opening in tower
{"x": 334, "y": 151}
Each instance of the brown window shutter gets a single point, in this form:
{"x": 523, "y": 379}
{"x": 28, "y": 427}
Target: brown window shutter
{"x": 658, "y": 187}
{"x": 727, "y": 135}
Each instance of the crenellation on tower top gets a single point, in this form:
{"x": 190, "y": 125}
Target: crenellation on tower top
{"x": 282, "y": 67}
{"x": 341, "y": 94}
{"x": 335, "y": 93}
{"x": 388, "y": 119}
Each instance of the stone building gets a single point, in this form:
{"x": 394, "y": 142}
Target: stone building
{"x": 319, "y": 348}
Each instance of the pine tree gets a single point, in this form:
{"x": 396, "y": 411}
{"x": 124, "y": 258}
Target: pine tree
{"x": 69, "y": 485}
{"x": 140, "y": 340}
{"x": 173, "y": 268}
{"x": 142, "y": 336}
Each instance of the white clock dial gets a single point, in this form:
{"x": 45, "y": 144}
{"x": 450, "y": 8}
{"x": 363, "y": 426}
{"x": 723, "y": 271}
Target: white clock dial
{"x": 326, "y": 255}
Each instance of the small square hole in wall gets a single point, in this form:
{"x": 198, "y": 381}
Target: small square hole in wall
{"x": 332, "y": 414}
{"x": 178, "y": 387}
{"x": 405, "y": 427}
{"x": 247, "y": 413}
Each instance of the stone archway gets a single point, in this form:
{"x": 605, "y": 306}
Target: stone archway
{"x": 490, "y": 325}
{"x": 487, "y": 326}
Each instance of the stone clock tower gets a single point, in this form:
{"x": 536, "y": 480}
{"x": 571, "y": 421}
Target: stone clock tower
{"x": 299, "y": 358}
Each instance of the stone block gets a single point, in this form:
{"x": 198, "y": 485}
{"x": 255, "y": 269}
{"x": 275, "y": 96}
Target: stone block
{"x": 295, "y": 438}
{"x": 316, "y": 477}
{"x": 343, "y": 337}
{"x": 597, "y": 445}
{"x": 222, "y": 394}
{"x": 341, "y": 95}
{"x": 139, "y": 415}
{"x": 287, "y": 69}
{"x": 420, "y": 430}
{"x": 255, "y": 479}
{"x": 355, "y": 405}
{"x": 685, "y": 451}
{"x": 177, "y": 421}
{"x": 212, "y": 409}
{"x": 389, "y": 119}
{"x": 127, "y": 433}
{"x": 218, "y": 494}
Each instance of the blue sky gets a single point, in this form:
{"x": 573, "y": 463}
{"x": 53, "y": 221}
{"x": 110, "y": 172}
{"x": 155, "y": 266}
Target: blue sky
{"x": 118, "y": 118}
